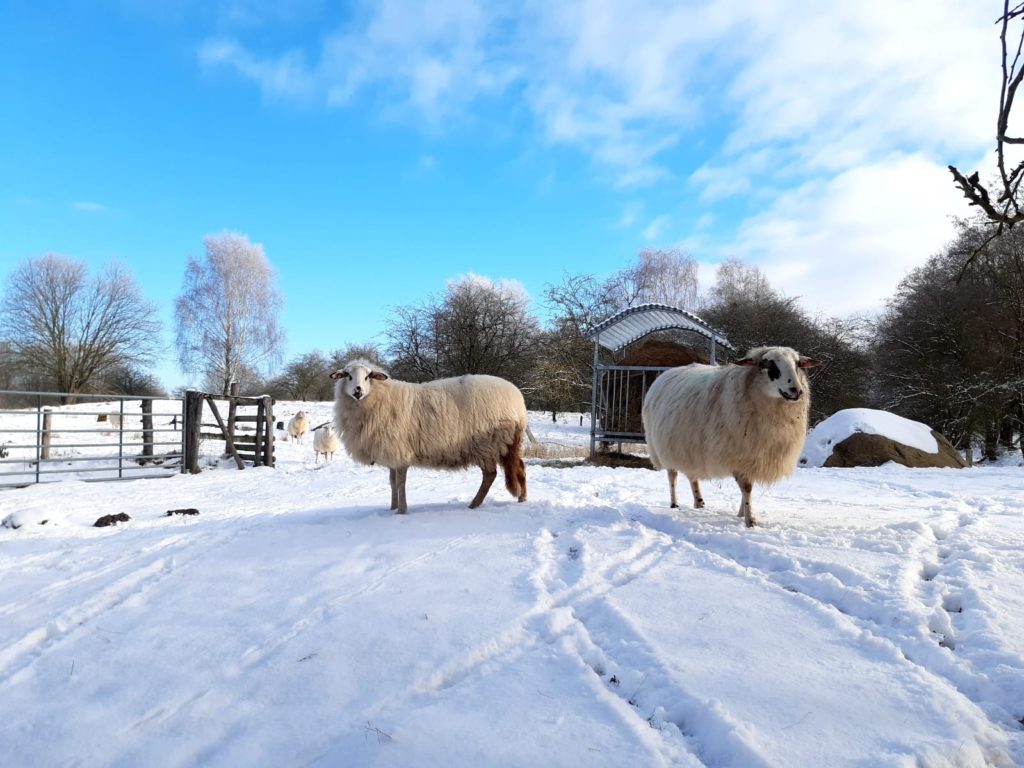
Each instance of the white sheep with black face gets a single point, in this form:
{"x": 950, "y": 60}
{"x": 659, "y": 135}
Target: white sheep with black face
{"x": 471, "y": 420}
{"x": 746, "y": 420}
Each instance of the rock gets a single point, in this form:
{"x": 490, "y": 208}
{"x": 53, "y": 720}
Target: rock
{"x": 106, "y": 520}
{"x": 864, "y": 450}
{"x": 187, "y": 511}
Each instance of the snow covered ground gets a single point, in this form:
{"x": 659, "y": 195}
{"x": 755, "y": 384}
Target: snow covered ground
{"x": 875, "y": 618}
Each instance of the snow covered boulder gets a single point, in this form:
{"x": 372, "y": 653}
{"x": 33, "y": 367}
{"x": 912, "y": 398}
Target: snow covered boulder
{"x": 862, "y": 437}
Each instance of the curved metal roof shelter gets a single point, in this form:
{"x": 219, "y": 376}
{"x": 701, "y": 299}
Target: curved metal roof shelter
{"x": 634, "y": 323}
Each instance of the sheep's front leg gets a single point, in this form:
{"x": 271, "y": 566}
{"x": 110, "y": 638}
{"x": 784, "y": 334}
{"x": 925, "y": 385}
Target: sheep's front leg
{"x": 746, "y": 510}
{"x": 485, "y": 485}
{"x": 393, "y": 477}
{"x": 398, "y": 491}
{"x": 698, "y": 500}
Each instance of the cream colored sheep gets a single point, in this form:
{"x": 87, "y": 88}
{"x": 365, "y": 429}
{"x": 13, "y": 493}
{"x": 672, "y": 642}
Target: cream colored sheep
{"x": 470, "y": 420}
{"x": 325, "y": 441}
{"x": 113, "y": 419}
{"x": 298, "y": 425}
{"x": 746, "y": 420}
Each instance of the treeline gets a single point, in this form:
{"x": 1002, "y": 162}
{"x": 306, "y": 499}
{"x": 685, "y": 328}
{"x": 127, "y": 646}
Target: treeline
{"x": 947, "y": 351}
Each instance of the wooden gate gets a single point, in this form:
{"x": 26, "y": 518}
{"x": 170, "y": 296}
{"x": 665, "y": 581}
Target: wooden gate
{"x": 246, "y": 427}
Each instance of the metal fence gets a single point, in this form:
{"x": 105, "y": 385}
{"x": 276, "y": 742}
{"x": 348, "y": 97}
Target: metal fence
{"x": 100, "y": 437}
{"x": 618, "y": 403}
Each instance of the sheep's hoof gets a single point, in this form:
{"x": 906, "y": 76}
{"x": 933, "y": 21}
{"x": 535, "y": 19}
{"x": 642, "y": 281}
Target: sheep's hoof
{"x": 522, "y": 498}
{"x": 673, "y": 505}
{"x": 751, "y": 523}
{"x": 699, "y": 504}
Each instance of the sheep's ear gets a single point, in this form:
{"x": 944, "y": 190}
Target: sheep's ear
{"x": 379, "y": 376}
{"x": 806, "y": 362}
{"x": 747, "y": 361}
{"x": 339, "y": 375}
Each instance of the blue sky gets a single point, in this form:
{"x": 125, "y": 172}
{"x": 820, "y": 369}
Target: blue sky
{"x": 377, "y": 150}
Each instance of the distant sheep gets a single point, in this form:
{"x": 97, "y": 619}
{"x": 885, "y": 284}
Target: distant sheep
{"x": 470, "y": 420}
{"x": 298, "y": 426}
{"x": 747, "y": 420}
{"x": 113, "y": 419}
{"x": 325, "y": 441}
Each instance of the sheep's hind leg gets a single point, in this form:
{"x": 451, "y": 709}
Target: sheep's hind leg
{"x": 485, "y": 485}
{"x": 393, "y": 477}
{"x": 746, "y": 510}
{"x": 673, "y": 502}
{"x": 698, "y": 499}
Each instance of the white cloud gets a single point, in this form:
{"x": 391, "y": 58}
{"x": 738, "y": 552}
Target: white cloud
{"x": 656, "y": 228}
{"x": 843, "y": 244}
{"x": 786, "y": 99}
{"x": 284, "y": 76}
{"x": 631, "y": 212}
{"x": 89, "y": 207}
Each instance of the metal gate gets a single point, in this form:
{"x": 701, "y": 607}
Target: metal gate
{"x": 100, "y": 437}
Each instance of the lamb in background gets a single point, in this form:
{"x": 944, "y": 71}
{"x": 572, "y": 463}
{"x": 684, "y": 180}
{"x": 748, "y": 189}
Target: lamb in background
{"x": 325, "y": 441}
{"x": 747, "y": 420}
{"x": 298, "y": 425}
{"x": 470, "y": 420}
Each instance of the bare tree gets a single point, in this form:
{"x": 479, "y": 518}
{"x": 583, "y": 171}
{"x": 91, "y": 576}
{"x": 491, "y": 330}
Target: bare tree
{"x": 227, "y": 312}
{"x": 476, "y": 326}
{"x": 1002, "y": 205}
{"x": 659, "y": 276}
{"x": 72, "y": 329}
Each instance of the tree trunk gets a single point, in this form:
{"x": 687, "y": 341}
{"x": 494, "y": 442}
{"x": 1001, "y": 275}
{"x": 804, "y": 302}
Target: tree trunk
{"x": 1006, "y": 426}
{"x": 991, "y": 442}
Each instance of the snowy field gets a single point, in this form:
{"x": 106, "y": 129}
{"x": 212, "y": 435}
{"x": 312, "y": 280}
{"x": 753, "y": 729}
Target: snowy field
{"x": 875, "y": 618}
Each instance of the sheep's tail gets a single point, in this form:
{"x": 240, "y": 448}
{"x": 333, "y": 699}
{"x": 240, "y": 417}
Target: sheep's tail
{"x": 513, "y": 467}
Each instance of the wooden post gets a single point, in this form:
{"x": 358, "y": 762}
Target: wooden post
{"x": 192, "y": 425}
{"x": 228, "y": 439}
{"x": 147, "y": 428}
{"x": 232, "y": 406}
{"x": 268, "y": 441}
{"x": 259, "y": 439}
{"x": 45, "y": 447}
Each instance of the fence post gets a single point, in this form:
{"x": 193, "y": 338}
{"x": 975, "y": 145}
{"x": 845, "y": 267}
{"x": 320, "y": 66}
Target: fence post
{"x": 39, "y": 433}
{"x": 268, "y": 441}
{"x": 191, "y": 427}
{"x": 147, "y": 428}
{"x": 44, "y": 451}
{"x": 120, "y": 440}
{"x": 232, "y": 406}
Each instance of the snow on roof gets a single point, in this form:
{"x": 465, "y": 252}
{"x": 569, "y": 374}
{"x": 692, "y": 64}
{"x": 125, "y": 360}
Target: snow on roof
{"x": 633, "y": 323}
{"x": 840, "y": 425}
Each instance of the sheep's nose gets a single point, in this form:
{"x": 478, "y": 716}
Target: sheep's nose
{"x": 357, "y": 393}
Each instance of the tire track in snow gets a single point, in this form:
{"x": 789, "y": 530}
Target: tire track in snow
{"x": 551, "y": 616}
{"x": 629, "y": 669}
{"x": 133, "y": 579}
{"x": 832, "y": 589}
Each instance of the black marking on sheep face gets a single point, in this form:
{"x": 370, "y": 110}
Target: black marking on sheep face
{"x": 772, "y": 368}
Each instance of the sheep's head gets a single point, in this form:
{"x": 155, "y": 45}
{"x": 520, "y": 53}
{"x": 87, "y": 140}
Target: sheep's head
{"x": 356, "y": 379}
{"x": 780, "y": 371}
